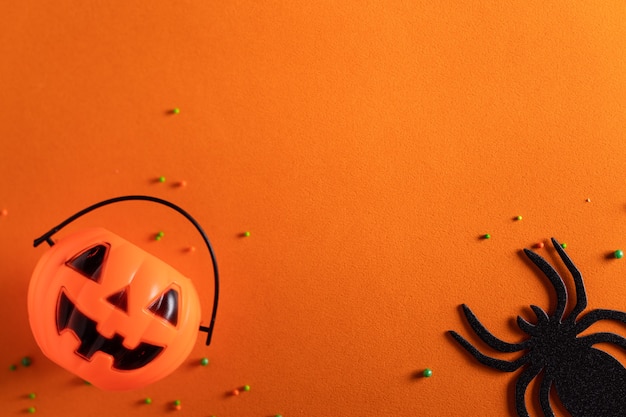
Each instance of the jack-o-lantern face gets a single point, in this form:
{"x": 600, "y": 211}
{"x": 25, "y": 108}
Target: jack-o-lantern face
{"x": 111, "y": 313}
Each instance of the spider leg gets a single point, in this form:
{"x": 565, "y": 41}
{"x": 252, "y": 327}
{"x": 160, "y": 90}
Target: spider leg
{"x": 596, "y": 315}
{"x": 542, "y": 316}
{"x": 501, "y": 365}
{"x": 522, "y": 385}
{"x": 489, "y": 338}
{"x": 525, "y": 326}
{"x": 555, "y": 279}
{"x": 544, "y": 396}
{"x": 581, "y": 294}
{"x": 604, "y": 337}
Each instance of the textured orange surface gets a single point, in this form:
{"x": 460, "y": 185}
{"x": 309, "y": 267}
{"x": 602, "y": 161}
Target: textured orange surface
{"x": 365, "y": 145}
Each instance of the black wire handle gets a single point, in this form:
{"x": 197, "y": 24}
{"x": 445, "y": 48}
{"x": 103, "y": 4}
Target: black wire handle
{"x": 47, "y": 237}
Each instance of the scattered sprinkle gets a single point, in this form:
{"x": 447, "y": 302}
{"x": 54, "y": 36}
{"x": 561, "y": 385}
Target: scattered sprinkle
{"x": 176, "y": 402}
{"x": 12, "y": 367}
{"x": 161, "y": 179}
{"x": 518, "y": 218}
{"x": 32, "y": 395}
{"x": 246, "y": 234}
{"x": 619, "y": 254}
{"x": 191, "y": 249}
{"x": 4, "y": 212}
{"x": 246, "y": 388}
{"x": 235, "y": 392}
{"x": 31, "y": 410}
{"x": 564, "y": 245}
{"x": 176, "y": 110}
{"x": 182, "y": 183}
{"x": 147, "y": 400}
{"x": 539, "y": 245}
{"x": 159, "y": 236}
{"x": 87, "y": 383}
{"x": 177, "y": 405}
{"x": 26, "y": 361}
{"x": 427, "y": 373}
{"x": 204, "y": 361}
{"x": 588, "y": 200}
{"x": 486, "y": 236}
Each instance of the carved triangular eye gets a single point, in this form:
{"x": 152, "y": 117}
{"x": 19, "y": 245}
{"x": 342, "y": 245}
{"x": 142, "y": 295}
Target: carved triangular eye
{"x": 166, "y": 306}
{"x": 120, "y": 299}
{"x": 89, "y": 262}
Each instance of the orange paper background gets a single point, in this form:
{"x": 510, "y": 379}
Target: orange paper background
{"x": 365, "y": 145}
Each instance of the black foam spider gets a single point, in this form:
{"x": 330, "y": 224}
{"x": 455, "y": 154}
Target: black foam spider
{"x": 588, "y": 381}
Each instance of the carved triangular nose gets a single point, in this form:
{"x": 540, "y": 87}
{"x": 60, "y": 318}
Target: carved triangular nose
{"x": 120, "y": 299}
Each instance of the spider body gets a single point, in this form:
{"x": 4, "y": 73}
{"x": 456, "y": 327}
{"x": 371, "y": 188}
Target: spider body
{"x": 593, "y": 385}
{"x": 588, "y": 381}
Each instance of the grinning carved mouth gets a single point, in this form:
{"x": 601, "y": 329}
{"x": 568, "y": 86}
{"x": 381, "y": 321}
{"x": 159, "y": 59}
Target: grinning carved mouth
{"x": 91, "y": 341}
